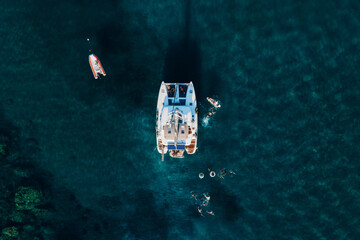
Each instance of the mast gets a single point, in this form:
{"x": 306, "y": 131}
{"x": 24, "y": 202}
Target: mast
{"x": 176, "y": 120}
{"x": 176, "y": 123}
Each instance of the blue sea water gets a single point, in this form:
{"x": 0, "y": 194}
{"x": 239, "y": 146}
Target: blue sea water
{"x": 286, "y": 73}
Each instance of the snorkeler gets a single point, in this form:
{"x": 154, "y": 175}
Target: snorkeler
{"x": 222, "y": 173}
{"x": 232, "y": 172}
{"x": 194, "y": 196}
{"x": 207, "y": 196}
{"x": 211, "y": 212}
{"x": 211, "y": 113}
{"x": 204, "y": 199}
{"x": 200, "y": 210}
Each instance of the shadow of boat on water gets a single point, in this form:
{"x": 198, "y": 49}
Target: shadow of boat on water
{"x": 183, "y": 58}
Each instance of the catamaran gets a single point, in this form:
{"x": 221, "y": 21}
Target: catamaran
{"x": 176, "y": 119}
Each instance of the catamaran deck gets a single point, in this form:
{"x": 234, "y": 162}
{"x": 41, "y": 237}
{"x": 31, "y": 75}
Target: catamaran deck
{"x": 177, "y": 121}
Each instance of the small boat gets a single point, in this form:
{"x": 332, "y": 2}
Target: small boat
{"x": 96, "y": 66}
{"x": 215, "y": 103}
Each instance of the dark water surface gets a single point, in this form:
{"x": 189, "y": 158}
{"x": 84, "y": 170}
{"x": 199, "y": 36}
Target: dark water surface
{"x": 285, "y": 71}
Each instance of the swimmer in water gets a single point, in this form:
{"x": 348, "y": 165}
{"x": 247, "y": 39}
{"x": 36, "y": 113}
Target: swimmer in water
{"x": 211, "y": 112}
{"x": 222, "y": 173}
{"x": 193, "y": 195}
{"x": 200, "y": 210}
{"x": 232, "y": 172}
{"x": 211, "y": 212}
{"x": 207, "y": 196}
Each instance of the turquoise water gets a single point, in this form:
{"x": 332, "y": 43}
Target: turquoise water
{"x": 286, "y": 73}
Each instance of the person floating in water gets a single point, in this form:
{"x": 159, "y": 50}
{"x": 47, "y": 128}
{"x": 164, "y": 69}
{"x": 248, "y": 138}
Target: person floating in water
{"x": 200, "y": 211}
{"x": 204, "y": 199}
{"x": 211, "y": 113}
{"x": 212, "y": 110}
{"x": 222, "y": 173}
{"x": 211, "y": 212}
{"x": 207, "y": 196}
{"x": 194, "y": 196}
